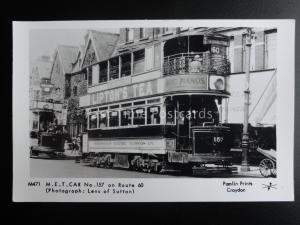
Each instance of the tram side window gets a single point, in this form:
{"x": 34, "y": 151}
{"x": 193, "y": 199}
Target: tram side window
{"x": 170, "y": 114}
{"x": 93, "y": 121}
{"x": 153, "y": 115}
{"x": 103, "y": 119}
{"x": 126, "y": 117}
{"x": 113, "y": 118}
{"x": 139, "y": 116}
{"x": 139, "y": 61}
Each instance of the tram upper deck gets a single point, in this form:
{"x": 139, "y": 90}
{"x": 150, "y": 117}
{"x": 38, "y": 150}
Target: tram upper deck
{"x": 182, "y": 64}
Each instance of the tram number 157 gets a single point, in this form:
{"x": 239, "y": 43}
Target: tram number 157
{"x": 218, "y": 139}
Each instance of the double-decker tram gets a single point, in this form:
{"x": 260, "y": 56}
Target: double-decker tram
{"x": 161, "y": 106}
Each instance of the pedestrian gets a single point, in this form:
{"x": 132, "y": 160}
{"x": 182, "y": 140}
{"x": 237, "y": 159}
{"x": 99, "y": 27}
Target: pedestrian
{"x": 74, "y": 144}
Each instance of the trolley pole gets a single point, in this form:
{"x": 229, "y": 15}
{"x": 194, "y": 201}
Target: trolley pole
{"x": 245, "y": 138}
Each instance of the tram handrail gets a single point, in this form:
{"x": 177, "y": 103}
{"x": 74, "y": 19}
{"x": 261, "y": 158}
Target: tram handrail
{"x": 183, "y": 63}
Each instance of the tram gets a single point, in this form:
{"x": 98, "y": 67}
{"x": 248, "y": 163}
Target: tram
{"x": 159, "y": 105}
{"x": 46, "y": 136}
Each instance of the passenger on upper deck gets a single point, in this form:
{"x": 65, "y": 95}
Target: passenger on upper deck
{"x": 196, "y": 64}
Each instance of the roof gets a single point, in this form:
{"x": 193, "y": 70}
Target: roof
{"x": 68, "y": 55}
{"x": 43, "y": 65}
{"x": 105, "y": 43}
{"x": 77, "y": 63}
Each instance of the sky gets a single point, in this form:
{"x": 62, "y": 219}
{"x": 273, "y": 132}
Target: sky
{"x": 45, "y": 41}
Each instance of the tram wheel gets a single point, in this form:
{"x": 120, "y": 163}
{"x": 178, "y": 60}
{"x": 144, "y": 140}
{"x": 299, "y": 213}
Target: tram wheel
{"x": 266, "y": 166}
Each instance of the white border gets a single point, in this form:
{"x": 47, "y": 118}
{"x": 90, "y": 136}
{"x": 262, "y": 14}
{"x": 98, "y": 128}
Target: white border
{"x": 171, "y": 189}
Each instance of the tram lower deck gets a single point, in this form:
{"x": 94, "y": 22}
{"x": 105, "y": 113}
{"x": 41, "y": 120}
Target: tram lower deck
{"x": 180, "y": 131}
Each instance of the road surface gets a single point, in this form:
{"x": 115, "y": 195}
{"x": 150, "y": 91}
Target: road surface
{"x": 54, "y": 168}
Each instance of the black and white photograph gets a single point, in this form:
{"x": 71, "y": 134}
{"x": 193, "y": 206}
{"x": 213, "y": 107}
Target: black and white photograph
{"x": 119, "y": 110}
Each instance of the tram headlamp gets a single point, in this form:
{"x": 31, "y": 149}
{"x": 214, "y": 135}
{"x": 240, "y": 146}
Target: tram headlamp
{"x": 217, "y": 83}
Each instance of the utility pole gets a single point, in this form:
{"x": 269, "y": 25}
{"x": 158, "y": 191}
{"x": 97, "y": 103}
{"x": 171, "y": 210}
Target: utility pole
{"x": 245, "y": 138}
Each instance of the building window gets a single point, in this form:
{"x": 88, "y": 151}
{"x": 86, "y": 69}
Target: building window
{"x": 103, "y": 119}
{"x": 114, "y": 68}
{"x": 126, "y": 117}
{"x": 270, "y": 50}
{"x": 103, "y": 72}
{"x": 139, "y": 116}
{"x": 149, "y": 58}
{"x": 129, "y": 34}
{"x": 157, "y": 56}
{"x": 165, "y": 30}
{"x": 142, "y": 33}
{"x": 92, "y": 121}
{"x": 156, "y": 31}
{"x": 75, "y": 90}
{"x": 139, "y": 61}
{"x": 153, "y": 115}
{"x": 125, "y": 65}
{"x": 95, "y": 74}
{"x": 89, "y": 75}
{"x": 113, "y": 118}
{"x": 85, "y": 74}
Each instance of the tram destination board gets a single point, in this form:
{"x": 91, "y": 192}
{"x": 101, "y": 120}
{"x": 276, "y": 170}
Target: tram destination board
{"x": 109, "y": 111}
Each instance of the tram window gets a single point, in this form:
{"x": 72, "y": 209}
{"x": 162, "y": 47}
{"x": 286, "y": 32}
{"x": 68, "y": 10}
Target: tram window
{"x": 114, "y": 106}
{"x": 126, "y": 117}
{"x": 153, "y": 115}
{"x": 93, "y": 121}
{"x": 103, "y": 108}
{"x": 114, "y": 68}
{"x": 139, "y": 103}
{"x": 139, "y": 116}
{"x": 170, "y": 114}
{"x": 113, "y": 118}
{"x": 103, "y": 72}
{"x": 126, "y": 105}
{"x": 126, "y": 65}
{"x": 103, "y": 119}
{"x": 139, "y": 61}
{"x": 152, "y": 101}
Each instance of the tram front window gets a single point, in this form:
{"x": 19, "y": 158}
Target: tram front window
{"x": 93, "y": 121}
{"x": 114, "y": 119}
{"x": 139, "y": 116}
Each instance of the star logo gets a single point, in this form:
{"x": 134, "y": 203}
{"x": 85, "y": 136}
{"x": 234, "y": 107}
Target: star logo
{"x": 270, "y": 186}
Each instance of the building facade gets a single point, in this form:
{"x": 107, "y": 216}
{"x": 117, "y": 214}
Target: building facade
{"x": 39, "y": 92}
{"x": 263, "y": 67}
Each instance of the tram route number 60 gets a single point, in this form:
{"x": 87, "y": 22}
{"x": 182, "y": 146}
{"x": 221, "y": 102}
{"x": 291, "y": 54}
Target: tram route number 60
{"x": 215, "y": 49}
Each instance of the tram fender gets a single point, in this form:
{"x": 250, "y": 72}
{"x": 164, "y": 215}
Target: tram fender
{"x": 178, "y": 157}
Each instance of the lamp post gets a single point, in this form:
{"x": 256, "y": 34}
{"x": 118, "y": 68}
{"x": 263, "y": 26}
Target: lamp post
{"x": 245, "y": 137}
